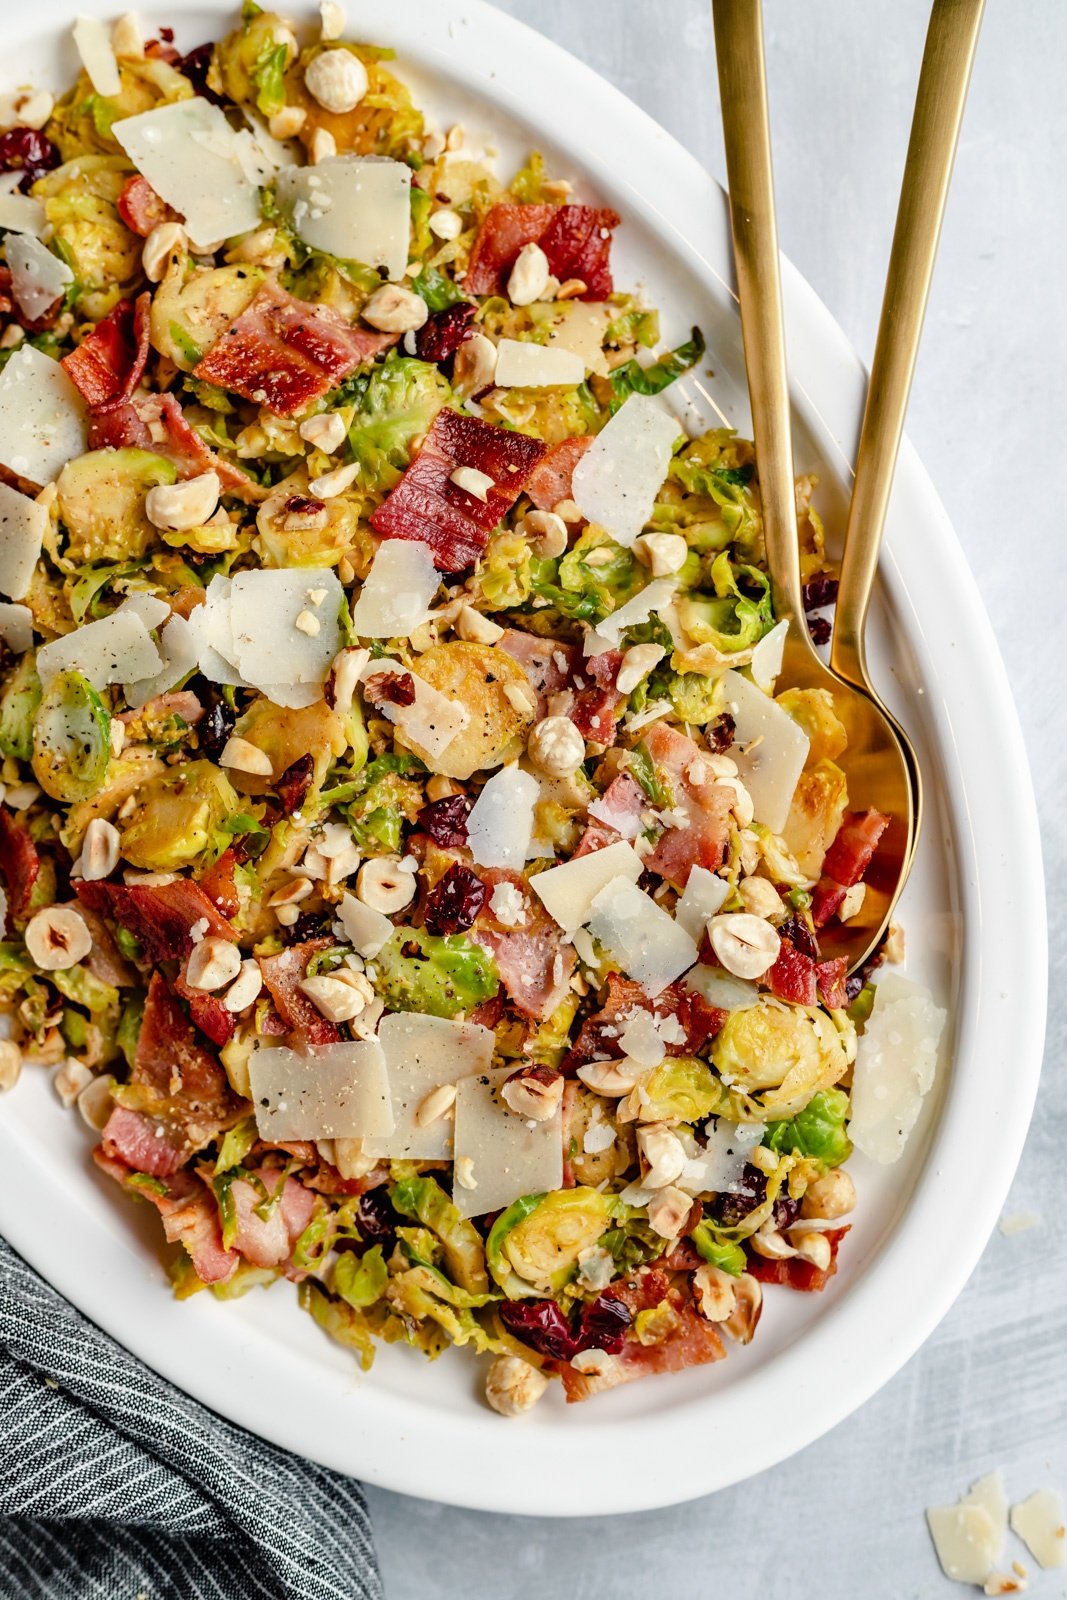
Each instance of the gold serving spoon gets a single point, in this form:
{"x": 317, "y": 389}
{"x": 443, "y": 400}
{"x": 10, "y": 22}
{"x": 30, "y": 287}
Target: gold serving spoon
{"x": 880, "y": 763}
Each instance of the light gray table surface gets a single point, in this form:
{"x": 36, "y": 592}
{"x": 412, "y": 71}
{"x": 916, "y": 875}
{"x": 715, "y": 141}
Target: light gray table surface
{"x": 845, "y": 1517}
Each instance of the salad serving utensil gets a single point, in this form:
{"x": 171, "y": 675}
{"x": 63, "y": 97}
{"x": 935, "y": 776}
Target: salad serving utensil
{"x": 880, "y": 762}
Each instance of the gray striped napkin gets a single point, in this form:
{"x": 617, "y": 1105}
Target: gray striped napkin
{"x": 116, "y": 1486}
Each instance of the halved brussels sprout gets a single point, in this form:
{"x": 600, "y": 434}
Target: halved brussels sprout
{"x": 178, "y": 816}
{"x": 818, "y": 1131}
{"x": 477, "y": 677}
{"x": 285, "y": 735}
{"x": 814, "y": 710}
{"x": 71, "y": 739}
{"x": 786, "y": 1052}
{"x": 249, "y": 64}
{"x": 423, "y": 1199}
{"x": 101, "y": 501}
{"x": 18, "y": 708}
{"x": 79, "y": 202}
{"x": 682, "y": 1087}
{"x": 416, "y": 971}
{"x": 543, "y": 1247}
{"x": 297, "y": 539}
{"x": 194, "y": 306}
{"x": 820, "y": 801}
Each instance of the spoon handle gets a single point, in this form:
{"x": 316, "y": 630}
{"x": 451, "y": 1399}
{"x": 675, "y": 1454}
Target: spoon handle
{"x": 939, "y": 103}
{"x": 746, "y": 132}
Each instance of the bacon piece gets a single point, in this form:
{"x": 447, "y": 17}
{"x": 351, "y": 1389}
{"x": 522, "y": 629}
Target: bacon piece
{"x": 109, "y": 363}
{"x": 427, "y": 505}
{"x": 119, "y": 428}
{"x": 852, "y": 850}
{"x": 207, "y": 1011}
{"x": 170, "y": 435}
{"x": 826, "y": 901}
{"x": 793, "y": 977}
{"x": 547, "y": 663}
{"x": 141, "y": 208}
{"x": 105, "y": 960}
{"x": 143, "y": 1143}
{"x": 19, "y": 862}
{"x": 268, "y": 1241}
{"x": 594, "y": 710}
{"x": 282, "y": 975}
{"x": 691, "y": 1342}
{"x": 218, "y": 883}
{"x": 190, "y": 1216}
{"x": 700, "y": 842}
{"x": 598, "y": 1037}
{"x": 284, "y": 353}
{"x": 553, "y": 480}
{"x": 576, "y": 240}
{"x": 794, "y": 1273}
{"x": 159, "y": 916}
{"x": 534, "y": 962}
{"x": 618, "y": 814}
{"x": 830, "y": 977}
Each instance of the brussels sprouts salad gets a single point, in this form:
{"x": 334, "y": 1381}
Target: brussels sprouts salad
{"x": 412, "y": 875}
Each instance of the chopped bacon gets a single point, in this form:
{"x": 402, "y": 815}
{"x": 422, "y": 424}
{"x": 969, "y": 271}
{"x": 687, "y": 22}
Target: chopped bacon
{"x": 691, "y": 1341}
{"x": 19, "y": 862}
{"x": 141, "y": 208}
{"x": 830, "y": 977}
{"x": 576, "y": 240}
{"x": 268, "y": 1241}
{"x": 534, "y": 961}
{"x": 120, "y": 428}
{"x": 207, "y": 1011}
{"x": 189, "y": 1213}
{"x": 105, "y": 960}
{"x": 793, "y": 976}
{"x": 160, "y": 916}
{"x": 283, "y": 975}
{"x": 826, "y": 901}
{"x": 144, "y": 1144}
{"x": 700, "y": 842}
{"x": 594, "y": 710}
{"x": 218, "y": 883}
{"x": 857, "y": 839}
{"x": 547, "y": 663}
{"x": 598, "y": 1038}
{"x": 427, "y": 505}
{"x": 794, "y": 1273}
{"x": 553, "y": 480}
{"x": 109, "y": 363}
{"x": 552, "y": 667}
{"x": 284, "y": 353}
{"x": 170, "y": 435}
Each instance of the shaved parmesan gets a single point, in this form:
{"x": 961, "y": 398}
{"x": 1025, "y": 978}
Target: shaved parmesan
{"x": 641, "y": 1040}
{"x": 340, "y": 1091}
{"x": 769, "y": 747}
{"x": 616, "y": 481}
{"x": 19, "y": 213}
{"x": 16, "y": 627}
{"x": 38, "y": 278}
{"x": 521, "y": 364}
{"x": 365, "y": 929}
{"x": 567, "y": 892}
{"x": 23, "y": 524}
{"x": 766, "y": 661}
{"x": 190, "y": 156}
{"x": 117, "y": 649}
{"x": 212, "y": 628}
{"x": 42, "y": 416}
{"x": 969, "y": 1536}
{"x": 1039, "y": 1523}
{"x": 269, "y": 649}
{"x": 92, "y": 40}
{"x": 653, "y": 597}
{"x": 354, "y": 207}
{"x": 581, "y": 329}
{"x": 647, "y": 942}
{"x": 701, "y": 900}
{"x": 500, "y": 825}
{"x": 421, "y": 1054}
{"x": 178, "y": 650}
{"x": 896, "y": 1059}
{"x": 431, "y": 722}
{"x": 505, "y": 1155}
{"x": 720, "y": 988}
{"x": 149, "y": 607}
{"x": 719, "y": 1165}
{"x": 396, "y": 593}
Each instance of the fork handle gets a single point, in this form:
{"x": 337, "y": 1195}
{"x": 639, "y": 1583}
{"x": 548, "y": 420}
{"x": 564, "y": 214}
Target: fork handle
{"x": 746, "y": 134}
{"x": 942, "y": 94}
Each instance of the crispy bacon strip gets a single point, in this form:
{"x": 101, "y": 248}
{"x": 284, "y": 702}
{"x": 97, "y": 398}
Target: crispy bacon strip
{"x": 553, "y": 480}
{"x": 576, "y": 240}
{"x": 689, "y": 1341}
{"x": 282, "y": 975}
{"x": 427, "y": 505}
{"x": 141, "y": 208}
{"x": 598, "y": 1038}
{"x": 159, "y": 916}
{"x": 189, "y": 1212}
{"x": 109, "y": 363}
{"x": 284, "y": 353}
{"x": 794, "y": 1273}
{"x": 19, "y": 862}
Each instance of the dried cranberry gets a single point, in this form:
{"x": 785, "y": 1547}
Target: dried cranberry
{"x": 720, "y": 733}
{"x": 308, "y": 925}
{"x": 800, "y": 937}
{"x": 27, "y": 150}
{"x": 604, "y": 1324}
{"x": 542, "y": 1325}
{"x": 455, "y": 901}
{"x": 820, "y": 630}
{"x": 378, "y": 1220}
{"x": 751, "y": 1191}
{"x": 390, "y": 689}
{"x": 195, "y": 67}
{"x": 853, "y": 987}
{"x": 301, "y": 505}
{"x": 785, "y": 1211}
{"x": 446, "y": 820}
{"x": 294, "y": 783}
{"x": 214, "y": 728}
{"x": 647, "y": 881}
{"x": 820, "y": 591}
{"x": 442, "y": 334}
